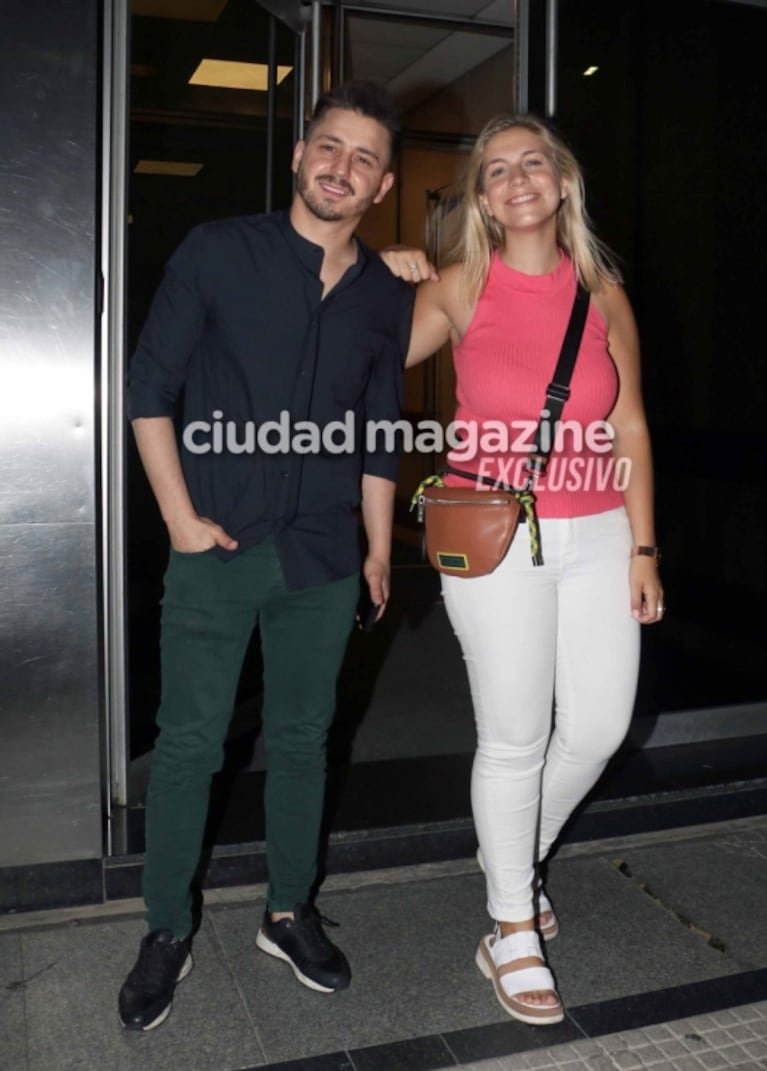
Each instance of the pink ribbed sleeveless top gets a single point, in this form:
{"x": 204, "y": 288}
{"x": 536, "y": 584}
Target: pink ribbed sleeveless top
{"x": 504, "y": 363}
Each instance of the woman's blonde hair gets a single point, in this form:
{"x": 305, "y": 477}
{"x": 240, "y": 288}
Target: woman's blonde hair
{"x": 481, "y": 235}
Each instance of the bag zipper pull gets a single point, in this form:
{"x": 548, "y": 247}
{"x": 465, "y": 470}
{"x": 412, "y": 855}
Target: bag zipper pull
{"x": 417, "y": 501}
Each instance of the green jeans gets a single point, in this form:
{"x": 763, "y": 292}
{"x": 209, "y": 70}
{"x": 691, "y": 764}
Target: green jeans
{"x": 209, "y": 611}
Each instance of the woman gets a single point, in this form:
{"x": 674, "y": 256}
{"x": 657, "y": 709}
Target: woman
{"x": 566, "y": 631}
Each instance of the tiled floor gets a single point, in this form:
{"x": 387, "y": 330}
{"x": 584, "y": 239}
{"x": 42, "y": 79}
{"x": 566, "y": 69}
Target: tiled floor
{"x": 734, "y": 1037}
{"x": 655, "y": 928}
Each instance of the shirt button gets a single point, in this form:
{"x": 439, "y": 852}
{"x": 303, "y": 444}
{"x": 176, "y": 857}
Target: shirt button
{"x": 284, "y": 475}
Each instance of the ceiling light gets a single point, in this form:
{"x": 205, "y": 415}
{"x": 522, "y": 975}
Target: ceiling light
{"x": 167, "y": 167}
{"x": 589, "y": 71}
{"x": 228, "y": 74}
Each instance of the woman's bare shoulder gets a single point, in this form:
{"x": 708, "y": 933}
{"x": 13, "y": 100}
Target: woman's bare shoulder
{"x": 612, "y": 301}
{"x": 448, "y": 288}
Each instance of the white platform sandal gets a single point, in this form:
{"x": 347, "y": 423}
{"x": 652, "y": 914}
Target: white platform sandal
{"x": 505, "y": 961}
{"x": 547, "y": 928}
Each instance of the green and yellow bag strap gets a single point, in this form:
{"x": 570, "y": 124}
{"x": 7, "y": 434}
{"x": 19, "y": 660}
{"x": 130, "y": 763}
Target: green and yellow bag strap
{"x": 526, "y": 499}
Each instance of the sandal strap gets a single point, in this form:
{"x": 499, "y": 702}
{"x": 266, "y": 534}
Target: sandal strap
{"x": 526, "y": 979}
{"x": 517, "y": 945}
{"x": 544, "y": 904}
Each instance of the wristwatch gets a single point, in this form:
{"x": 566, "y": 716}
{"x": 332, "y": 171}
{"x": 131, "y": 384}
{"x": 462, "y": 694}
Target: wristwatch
{"x": 648, "y": 552}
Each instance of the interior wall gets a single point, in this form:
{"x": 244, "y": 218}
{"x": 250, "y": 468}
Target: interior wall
{"x": 466, "y": 104}
{"x": 50, "y": 777}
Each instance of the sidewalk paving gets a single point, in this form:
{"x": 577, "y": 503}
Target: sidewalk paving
{"x": 657, "y": 928}
{"x": 734, "y": 1037}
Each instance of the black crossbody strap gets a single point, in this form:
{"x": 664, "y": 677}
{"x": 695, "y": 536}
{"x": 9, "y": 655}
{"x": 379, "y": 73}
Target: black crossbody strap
{"x": 558, "y": 391}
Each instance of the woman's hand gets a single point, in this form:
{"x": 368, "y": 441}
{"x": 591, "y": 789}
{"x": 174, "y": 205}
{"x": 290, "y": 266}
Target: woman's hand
{"x": 409, "y": 264}
{"x": 647, "y": 604}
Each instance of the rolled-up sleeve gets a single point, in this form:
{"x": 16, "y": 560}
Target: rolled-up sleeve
{"x": 170, "y": 335}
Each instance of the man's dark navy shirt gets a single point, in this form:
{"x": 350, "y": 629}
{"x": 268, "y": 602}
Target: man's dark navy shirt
{"x": 239, "y": 326}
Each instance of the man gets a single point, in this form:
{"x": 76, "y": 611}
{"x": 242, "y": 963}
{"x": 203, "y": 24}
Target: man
{"x": 287, "y": 336}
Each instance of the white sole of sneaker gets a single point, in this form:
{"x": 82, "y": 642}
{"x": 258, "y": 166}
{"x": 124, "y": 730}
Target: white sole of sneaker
{"x": 271, "y": 949}
{"x": 188, "y": 964}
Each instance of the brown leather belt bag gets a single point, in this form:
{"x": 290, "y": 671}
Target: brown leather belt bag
{"x": 468, "y": 532}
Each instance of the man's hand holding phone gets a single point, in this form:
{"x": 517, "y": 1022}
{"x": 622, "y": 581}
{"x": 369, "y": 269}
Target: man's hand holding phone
{"x": 367, "y": 610}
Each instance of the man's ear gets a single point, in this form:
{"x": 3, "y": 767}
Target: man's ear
{"x": 298, "y": 152}
{"x": 386, "y": 184}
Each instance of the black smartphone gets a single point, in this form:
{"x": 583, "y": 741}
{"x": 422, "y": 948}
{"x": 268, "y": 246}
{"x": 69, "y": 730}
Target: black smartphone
{"x": 367, "y": 610}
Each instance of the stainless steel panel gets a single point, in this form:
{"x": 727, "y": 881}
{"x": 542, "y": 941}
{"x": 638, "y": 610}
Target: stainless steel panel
{"x": 47, "y": 172}
{"x": 50, "y": 799}
{"x": 50, "y": 792}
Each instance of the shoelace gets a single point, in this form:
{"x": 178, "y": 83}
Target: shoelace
{"x": 313, "y": 921}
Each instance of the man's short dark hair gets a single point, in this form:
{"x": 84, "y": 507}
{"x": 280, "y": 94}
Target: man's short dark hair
{"x": 368, "y": 99}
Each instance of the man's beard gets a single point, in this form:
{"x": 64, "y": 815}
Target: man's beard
{"x": 320, "y": 207}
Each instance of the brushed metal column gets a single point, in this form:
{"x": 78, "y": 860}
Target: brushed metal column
{"x": 50, "y": 776}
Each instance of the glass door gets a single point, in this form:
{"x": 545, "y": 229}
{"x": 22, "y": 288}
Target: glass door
{"x": 214, "y": 96}
{"x": 201, "y": 147}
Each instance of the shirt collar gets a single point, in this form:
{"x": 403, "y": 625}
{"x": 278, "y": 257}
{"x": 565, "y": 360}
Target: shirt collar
{"x": 310, "y": 254}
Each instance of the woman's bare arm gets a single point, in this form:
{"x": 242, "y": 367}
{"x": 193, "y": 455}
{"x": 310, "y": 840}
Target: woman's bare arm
{"x": 632, "y": 441}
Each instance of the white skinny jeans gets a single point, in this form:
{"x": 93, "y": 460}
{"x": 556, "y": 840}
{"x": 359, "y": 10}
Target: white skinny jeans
{"x": 541, "y": 643}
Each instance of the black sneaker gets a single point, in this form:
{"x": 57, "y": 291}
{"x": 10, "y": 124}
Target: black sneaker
{"x": 147, "y": 993}
{"x": 302, "y": 943}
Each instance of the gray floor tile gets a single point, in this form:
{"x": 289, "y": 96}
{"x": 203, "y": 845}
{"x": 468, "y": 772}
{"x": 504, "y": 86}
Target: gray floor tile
{"x": 718, "y": 884}
{"x": 411, "y": 948}
{"x": 615, "y": 941}
{"x": 13, "y": 979}
{"x": 72, "y": 1016}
